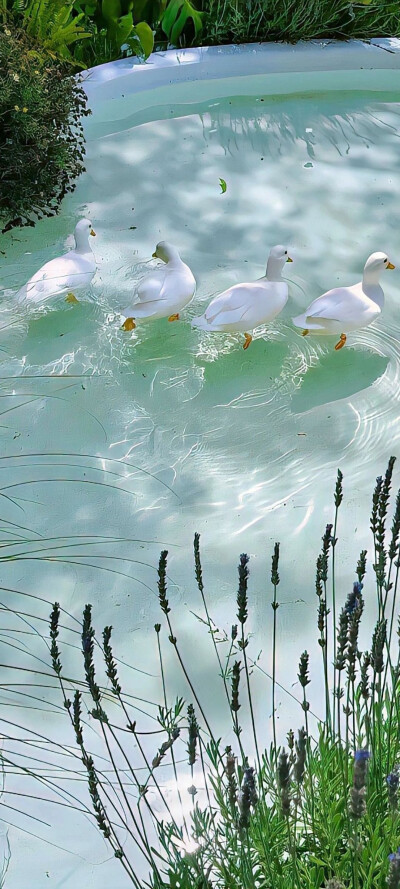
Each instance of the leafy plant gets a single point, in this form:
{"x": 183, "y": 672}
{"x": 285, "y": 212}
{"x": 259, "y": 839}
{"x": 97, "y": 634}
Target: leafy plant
{"x": 114, "y": 19}
{"x": 322, "y": 813}
{"x": 96, "y": 26}
{"x": 238, "y": 21}
{"x": 41, "y": 134}
{"x": 176, "y": 16}
{"x": 51, "y": 24}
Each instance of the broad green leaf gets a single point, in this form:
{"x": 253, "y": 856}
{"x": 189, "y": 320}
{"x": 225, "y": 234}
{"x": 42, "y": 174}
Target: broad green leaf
{"x": 175, "y": 17}
{"x": 223, "y": 186}
{"x": 146, "y": 37}
{"x": 119, "y": 31}
{"x": 111, "y": 10}
{"x": 148, "y": 10}
{"x": 178, "y": 27}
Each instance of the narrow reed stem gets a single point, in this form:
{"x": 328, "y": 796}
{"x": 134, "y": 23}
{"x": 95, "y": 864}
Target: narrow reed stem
{"x": 338, "y": 501}
{"x": 275, "y": 606}
{"x": 164, "y": 690}
{"x": 242, "y": 614}
{"x": 210, "y": 623}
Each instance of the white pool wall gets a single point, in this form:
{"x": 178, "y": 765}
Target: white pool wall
{"x": 367, "y": 63}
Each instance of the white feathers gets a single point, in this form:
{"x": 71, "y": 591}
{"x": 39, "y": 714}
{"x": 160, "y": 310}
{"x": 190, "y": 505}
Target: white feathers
{"x": 245, "y": 306}
{"x": 344, "y": 309}
{"x": 166, "y": 291}
{"x": 65, "y": 274}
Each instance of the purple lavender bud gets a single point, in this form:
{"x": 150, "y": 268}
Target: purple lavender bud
{"x": 362, "y": 755}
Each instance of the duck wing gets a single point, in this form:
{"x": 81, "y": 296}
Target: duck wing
{"x": 153, "y": 286}
{"x": 339, "y": 304}
{"x": 57, "y": 276}
{"x": 231, "y": 305}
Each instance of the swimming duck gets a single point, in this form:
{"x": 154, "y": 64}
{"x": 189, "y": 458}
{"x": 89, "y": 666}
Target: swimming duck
{"x": 243, "y": 307}
{"x": 344, "y": 309}
{"x": 165, "y": 291}
{"x": 65, "y": 274}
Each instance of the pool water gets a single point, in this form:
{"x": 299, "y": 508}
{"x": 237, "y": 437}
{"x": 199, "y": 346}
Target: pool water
{"x": 124, "y": 444}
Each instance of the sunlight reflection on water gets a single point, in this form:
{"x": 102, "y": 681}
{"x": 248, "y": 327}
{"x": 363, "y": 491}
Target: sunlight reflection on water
{"x": 122, "y": 445}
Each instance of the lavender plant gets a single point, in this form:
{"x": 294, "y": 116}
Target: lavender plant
{"x": 321, "y": 813}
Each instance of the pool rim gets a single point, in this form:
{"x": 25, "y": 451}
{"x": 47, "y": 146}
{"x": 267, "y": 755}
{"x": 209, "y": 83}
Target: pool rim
{"x": 103, "y": 82}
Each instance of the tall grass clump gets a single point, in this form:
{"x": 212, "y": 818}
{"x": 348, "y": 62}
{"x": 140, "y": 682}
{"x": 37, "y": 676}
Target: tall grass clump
{"x": 238, "y": 21}
{"x": 180, "y": 807}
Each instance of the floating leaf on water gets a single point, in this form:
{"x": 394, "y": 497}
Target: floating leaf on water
{"x": 223, "y": 185}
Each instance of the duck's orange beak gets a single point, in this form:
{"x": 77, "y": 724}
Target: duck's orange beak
{"x": 92, "y": 232}
{"x": 390, "y": 266}
{"x": 289, "y": 259}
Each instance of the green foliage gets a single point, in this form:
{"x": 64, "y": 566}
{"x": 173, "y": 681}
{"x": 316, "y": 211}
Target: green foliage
{"x": 115, "y": 18}
{"x": 176, "y": 17}
{"x": 322, "y": 813}
{"x": 83, "y": 32}
{"x": 90, "y": 32}
{"x": 41, "y": 137}
{"x": 52, "y": 25}
{"x": 238, "y": 21}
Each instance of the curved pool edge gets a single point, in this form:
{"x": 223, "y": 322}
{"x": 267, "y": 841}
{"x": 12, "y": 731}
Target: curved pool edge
{"x": 221, "y": 62}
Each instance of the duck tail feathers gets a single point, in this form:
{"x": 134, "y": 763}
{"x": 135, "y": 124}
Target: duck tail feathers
{"x": 201, "y": 322}
{"x": 300, "y": 321}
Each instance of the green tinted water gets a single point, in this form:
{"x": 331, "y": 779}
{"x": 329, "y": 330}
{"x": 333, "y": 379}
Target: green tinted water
{"x": 115, "y": 446}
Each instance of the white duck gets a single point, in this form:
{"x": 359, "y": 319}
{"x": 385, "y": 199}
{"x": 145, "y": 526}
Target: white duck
{"x": 344, "y": 309}
{"x": 243, "y": 307}
{"x": 65, "y": 274}
{"x": 165, "y": 291}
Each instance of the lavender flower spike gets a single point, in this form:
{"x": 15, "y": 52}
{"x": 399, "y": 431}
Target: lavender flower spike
{"x": 393, "y": 781}
{"x": 358, "y": 790}
{"x": 362, "y": 755}
{"x": 393, "y": 880}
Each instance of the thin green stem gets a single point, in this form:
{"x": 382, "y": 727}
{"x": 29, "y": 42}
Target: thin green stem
{"x": 275, "y": 608}
{"x": 253, "y": 723}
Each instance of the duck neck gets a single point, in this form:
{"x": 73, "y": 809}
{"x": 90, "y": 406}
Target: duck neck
{"x": 82, "y": 244}
{"x": 173, "y": 258}
{"x": 371, "y": 278}
{"x": 274, "y": 269}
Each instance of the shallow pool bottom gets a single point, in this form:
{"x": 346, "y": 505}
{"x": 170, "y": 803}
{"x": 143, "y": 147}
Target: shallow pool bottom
{"x": 125, "y": 445}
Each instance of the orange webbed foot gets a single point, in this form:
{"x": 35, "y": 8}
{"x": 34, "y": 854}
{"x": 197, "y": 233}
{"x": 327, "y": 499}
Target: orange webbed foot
{"x": 341, "y": 343}
{"x": 247, "y": 340}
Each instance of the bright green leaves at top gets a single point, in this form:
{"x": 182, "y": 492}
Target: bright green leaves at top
{"x": 53, "y": 25}
{"x": 120, "y": 27}
{"x": 146, "y": 37}
{"x": 175, "y": 18}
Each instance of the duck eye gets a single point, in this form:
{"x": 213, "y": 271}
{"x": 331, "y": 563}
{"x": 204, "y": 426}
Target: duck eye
{"x": 285, "y": 252}
{"x": 385, "y": 260}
